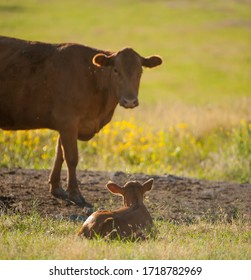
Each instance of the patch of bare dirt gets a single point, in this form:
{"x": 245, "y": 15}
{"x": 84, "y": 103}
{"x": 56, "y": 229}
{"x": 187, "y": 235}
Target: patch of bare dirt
{"x": 173, "y": 198}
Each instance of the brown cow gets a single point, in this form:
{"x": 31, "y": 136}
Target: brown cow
{"x": 127, "y": 222}
{"x": 70, "y": 88}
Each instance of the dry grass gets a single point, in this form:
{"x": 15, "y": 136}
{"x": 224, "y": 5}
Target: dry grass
{"x": 200, "y": 119}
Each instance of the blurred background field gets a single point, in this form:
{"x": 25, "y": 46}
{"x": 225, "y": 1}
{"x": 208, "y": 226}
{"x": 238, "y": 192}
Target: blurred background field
{"x": 194, "y": 117}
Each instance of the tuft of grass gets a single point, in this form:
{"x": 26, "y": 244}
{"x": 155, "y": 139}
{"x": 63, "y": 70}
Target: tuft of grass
{"x": 35, "y": 237}
{"x": 233, "y": 159}
{"x": 32, "y": 149}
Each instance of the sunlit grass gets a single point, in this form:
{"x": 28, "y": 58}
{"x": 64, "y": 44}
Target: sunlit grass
{"x": 218, "y": 154}
{"x": 34, "y": 237}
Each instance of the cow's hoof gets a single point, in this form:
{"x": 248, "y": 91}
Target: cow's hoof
{"x": 59, "y": 193}
{"x": 79, "y": 200}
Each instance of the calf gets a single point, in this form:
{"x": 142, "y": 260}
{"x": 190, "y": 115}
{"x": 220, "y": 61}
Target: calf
{"x": 128, "y": 221}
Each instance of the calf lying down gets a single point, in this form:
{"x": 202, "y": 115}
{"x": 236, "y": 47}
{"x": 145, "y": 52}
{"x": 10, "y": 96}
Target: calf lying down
{"x": 130, "y": 221}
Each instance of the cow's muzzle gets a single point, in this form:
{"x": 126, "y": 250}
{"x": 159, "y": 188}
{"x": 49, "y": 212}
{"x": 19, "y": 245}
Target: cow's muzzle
{"x": 129, "y": 103}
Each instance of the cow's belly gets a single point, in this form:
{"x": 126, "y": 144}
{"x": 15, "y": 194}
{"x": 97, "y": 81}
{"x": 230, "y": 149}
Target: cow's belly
{"x": 87, "y": 129}
{"x": 22, "y": 118}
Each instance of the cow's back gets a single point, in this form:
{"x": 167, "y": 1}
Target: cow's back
{"x": 24, "y": 93}
{"x": 43, "y": 84}
{"x": 17, "y": 56}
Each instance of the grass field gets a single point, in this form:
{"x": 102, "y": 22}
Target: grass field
{"x": 194, "y": 117}
{"x": 33, "y": 237}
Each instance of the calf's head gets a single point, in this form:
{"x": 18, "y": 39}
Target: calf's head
{"x": 132, "y": 192}
{"x": 126, "y": 70}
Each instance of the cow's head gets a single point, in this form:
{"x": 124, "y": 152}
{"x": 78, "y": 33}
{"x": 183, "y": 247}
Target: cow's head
{"x": 133, "y": 192}
{"x": 126, "y": 70}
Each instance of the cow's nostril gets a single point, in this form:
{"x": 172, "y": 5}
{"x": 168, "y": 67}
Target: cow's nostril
{"x": 129, "y": 103}
{"x": 136, "y": 102}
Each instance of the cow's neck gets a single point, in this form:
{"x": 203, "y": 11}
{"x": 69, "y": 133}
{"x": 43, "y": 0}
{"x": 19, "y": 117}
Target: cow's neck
{"x": 105, "y": 99}
{"x": 107, "y": 93}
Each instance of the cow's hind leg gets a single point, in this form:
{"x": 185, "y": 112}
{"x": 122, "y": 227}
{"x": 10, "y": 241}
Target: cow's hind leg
{"x": 54, "y": 180}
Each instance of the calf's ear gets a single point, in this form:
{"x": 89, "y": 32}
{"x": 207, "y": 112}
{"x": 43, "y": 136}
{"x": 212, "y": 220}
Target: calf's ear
{"x": 151, "y": 61}
{"x": 114, "y": 188}
{"x": 147, "y": 186}
{"x": 103, "y": 60}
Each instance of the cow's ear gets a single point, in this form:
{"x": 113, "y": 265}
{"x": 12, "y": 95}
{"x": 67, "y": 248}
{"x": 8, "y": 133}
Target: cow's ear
{"x": 102, "y": 60}
{"x": 151, "y": 61}
{"x": 147, "y": 186}
{"x": 114, "y": 188}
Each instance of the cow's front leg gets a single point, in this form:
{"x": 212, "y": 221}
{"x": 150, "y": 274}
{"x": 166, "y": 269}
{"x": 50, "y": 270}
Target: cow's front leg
{"x": 70, "y": 154}
{"x": 54, "y": 180}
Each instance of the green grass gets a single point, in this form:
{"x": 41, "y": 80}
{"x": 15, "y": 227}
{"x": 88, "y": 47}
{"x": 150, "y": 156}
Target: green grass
{"x": 33, "y": 237}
